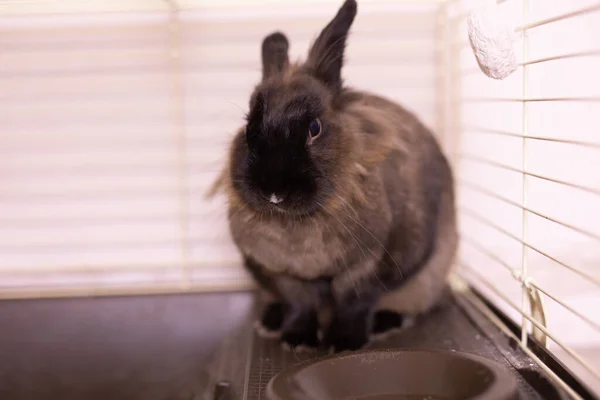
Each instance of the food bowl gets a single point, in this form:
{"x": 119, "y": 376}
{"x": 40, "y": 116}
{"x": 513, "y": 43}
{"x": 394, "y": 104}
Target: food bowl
{"x": 395, "y": 375}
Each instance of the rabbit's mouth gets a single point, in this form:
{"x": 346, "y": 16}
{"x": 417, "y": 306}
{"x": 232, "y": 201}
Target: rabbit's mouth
{"x": 275, "y": 199}
{"x": 281, "y": 203}
{"x": 275, "y": 202}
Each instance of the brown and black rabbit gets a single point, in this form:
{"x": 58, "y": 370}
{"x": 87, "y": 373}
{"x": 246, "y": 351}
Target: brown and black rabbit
{"x": 341, "y": 202}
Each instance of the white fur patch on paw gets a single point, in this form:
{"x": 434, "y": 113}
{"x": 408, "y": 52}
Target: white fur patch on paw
{"x": 286, "y": 346}
{"x": 298, "y": 349}
{"x": 378, "y": 337}
{"x": 320, "y": 335}
{"x": 264, "y": 332}
{"x": 407, "y": 323}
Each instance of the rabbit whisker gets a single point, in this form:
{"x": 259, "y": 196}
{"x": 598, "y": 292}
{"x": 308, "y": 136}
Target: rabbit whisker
{"x": 370, "y": 233}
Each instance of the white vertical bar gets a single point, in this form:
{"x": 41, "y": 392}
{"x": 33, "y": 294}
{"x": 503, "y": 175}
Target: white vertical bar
{"x": 455, "y": 89}
{"x": 442, "y": 54}
{"x": 525, "y": 188}
{"x": 181, "y": 139}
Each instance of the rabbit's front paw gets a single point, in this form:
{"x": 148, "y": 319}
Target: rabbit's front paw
{"x": 300, "y": 330}
{"x": 269, "y": 326}
{"x": 348, "y": 331}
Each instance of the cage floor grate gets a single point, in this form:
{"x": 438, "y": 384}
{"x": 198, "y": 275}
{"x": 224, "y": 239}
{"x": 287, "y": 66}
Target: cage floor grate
{"x": 456, "y": 326}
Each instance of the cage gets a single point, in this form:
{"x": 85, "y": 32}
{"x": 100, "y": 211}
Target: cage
{"x": 116, "y": 117}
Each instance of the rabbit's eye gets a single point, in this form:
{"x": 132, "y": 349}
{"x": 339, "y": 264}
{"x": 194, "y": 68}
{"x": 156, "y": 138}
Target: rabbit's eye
{"x": 314, "y": 129}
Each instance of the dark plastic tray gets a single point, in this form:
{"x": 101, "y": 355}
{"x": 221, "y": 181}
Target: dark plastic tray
{"x": 395, "y": 375}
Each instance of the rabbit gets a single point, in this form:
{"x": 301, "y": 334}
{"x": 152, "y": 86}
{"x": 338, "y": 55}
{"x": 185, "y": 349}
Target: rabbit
{"x": 341, "y": 202}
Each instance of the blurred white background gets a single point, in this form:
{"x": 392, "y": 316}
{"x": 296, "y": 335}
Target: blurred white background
{"x": 114, "y": 126}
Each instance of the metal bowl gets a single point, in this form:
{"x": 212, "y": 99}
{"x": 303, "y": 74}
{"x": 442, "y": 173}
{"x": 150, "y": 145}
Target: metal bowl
{"x": 395, "y": 375}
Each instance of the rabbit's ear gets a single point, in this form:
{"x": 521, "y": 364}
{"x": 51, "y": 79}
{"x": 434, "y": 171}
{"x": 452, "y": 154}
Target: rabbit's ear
{"x": 274, "y": 54}
{"x": 326, "y": 56}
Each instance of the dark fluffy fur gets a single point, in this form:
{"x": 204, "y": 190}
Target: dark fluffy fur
{"x": 367, "y": 218}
